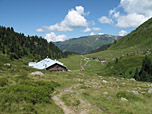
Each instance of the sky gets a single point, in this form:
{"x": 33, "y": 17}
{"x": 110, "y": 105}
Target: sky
{"x": 60, "y": 20}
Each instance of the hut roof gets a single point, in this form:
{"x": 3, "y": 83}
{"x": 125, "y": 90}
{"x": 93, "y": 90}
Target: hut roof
{"x": 43, "y": 64}
{"x": 102, "y": 59}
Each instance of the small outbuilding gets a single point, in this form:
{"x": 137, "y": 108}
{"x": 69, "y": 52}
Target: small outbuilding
{"x": 102, "y": 60}
{"x": 95, "y": 58}
{"x": 49, "y": 64}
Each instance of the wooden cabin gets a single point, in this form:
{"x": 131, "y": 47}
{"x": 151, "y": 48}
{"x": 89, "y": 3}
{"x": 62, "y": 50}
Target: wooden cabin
{"x": 49, "y": 64}
{"x": 95, "y": 58}
{"x": 102, "y": 60}
{"x": 56, "y": 68}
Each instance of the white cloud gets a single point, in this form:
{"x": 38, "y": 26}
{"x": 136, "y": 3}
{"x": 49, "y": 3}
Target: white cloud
{"x": 96, "y": 29}
{"x": 112, "y": 11}
{"x": 136, "y": 13}
{"x": 122, "y": 33}
{"x": 141, "y": 7}
{"x": 130, "y": 20}
{"x": 105, "y": 19}
{"x": 74, "y": 19}
{"x": 92, "y": 33}
{"x": 116, "y": 14}
{"x": 87, "y": 30}
{"x": 52, "y": 37}
{"x": 80, "y": 9}
{"x": 39, "y": 30}
{"x": 57, "y": 27}
{"x": 101, "y": 33}
{"x": 129, "y": 13}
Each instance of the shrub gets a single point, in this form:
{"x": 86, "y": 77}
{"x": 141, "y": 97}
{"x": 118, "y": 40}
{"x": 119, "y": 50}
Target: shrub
{"x": 3, "y": 82}
{"x": 127, "y": 95}
{"x": 29, "y": 92}
{"x": 145, "y": 73}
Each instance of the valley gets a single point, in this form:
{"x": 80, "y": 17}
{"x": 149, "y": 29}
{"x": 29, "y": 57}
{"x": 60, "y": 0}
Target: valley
{"x": 77, "y": 92}
{"x": 120, "y": 85}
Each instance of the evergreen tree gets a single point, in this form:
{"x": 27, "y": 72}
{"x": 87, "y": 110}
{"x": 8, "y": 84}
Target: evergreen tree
{"x": 17, "y": 45}
{"x": 116, "y": 60}
{"x": 136, "y": 76}
{"x": 145, "y": 73}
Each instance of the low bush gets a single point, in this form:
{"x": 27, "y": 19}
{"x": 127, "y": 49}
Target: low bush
{"x": 29, "y": 92}
{"x": 128, "y": 95}
{"x": 3, "y": 82}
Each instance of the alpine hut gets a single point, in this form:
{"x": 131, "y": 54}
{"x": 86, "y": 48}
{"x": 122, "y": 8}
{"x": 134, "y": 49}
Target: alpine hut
{"x": 49, "y": 64}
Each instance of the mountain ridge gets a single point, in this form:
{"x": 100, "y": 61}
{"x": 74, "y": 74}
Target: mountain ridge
{"x": 86, "y": 44}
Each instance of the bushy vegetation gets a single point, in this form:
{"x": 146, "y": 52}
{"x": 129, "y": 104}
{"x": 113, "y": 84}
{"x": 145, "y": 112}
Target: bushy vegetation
{"x": 16, "y": 45}
{"x": 102, "y": 48}
{"x": 127, "y": 95}
{"x": 3, "y": 82}
{"x": 145, "y": 73}
{"x": 25, "y": 94}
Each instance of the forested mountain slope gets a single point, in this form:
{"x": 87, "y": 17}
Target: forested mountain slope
{"x": 17, "y": 45}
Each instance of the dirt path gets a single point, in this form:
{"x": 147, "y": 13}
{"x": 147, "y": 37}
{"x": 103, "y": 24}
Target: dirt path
{"x": 60, "y": 103}
{"x": 85, "y": 59}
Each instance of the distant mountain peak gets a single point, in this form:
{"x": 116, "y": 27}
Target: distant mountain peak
{"x": 86, "y": 44}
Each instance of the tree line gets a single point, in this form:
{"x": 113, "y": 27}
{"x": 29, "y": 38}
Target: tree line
{"x": 145, "y": 74}
{"x": 17, "y": 45}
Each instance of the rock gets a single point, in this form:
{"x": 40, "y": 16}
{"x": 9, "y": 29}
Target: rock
{"x": 105, "y": 93}
{"x": 132, "y": 79}
{"x": 124, "y": 99}
{"x": 150, "y": 91}
{"x": 104, "y": 81}
{"x": 109, "y": 97}
{"x": 37, "y": 73}
{"x": 7, "y": 64}
{"x": 128, "y": 90}
{"x": 143, "y": 92}
{"x": 123, "y": 83}
{"x": 138, "y": 88}
{"x": 135, "y": 92}
{"x": 149, "y": 85}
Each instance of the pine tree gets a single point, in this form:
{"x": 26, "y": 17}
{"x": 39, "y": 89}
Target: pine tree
{"x": 136, "y": 76}
{"x": 116, "y": 60}
{"x": 145, "y": 73}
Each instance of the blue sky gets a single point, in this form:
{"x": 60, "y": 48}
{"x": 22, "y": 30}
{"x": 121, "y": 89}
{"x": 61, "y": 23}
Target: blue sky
{"x": 59, "y": 20}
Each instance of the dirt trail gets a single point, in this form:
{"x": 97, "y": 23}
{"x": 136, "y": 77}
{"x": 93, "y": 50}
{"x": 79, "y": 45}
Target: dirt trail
{"x": 60, "y": 103}
{"x": 70, "y": 110}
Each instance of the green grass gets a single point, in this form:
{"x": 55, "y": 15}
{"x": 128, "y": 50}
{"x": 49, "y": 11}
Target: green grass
{"x": 22, "y": 87}
{"x": 70, "y": 99}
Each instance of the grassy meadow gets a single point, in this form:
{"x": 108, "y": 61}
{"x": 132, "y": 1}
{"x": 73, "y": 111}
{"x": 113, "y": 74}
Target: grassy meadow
{"x": 97, "y": 90}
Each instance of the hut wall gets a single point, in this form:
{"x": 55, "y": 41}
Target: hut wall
{"x": 56, "y": 68}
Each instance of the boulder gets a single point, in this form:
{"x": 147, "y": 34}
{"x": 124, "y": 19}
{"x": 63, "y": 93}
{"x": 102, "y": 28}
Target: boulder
{"x": 124, "y": 99}
{"x": 135, "y": 92}
{"x": 37, "y": 73}
{"x": 150, "y": 91}
{"x": 132, "y": 79}
{"x": 7, "y": 64}
{"x": 104, "y": 81}
{"x": 105, "y": 93}
{"x": 149, "y": 85}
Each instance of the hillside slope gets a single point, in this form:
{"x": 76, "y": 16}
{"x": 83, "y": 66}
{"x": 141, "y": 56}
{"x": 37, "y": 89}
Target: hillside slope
{"x": 128, "y": 53}
{"x": 122, "y": 57}
{"x": 86, "y": 44}
{"x": 139, "y": 38}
